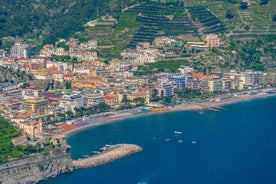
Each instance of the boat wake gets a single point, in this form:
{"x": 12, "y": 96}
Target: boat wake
{"x": 148, "y": 178}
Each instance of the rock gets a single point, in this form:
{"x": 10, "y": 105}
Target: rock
{"x": 35, "y": 169}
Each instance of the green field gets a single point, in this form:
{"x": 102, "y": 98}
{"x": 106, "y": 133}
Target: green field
{"x": 160, "y": 66}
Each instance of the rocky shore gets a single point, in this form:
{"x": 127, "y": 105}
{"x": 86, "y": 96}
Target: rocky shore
{"x": 34, "y": 169}
{"x": 114, "y": 152}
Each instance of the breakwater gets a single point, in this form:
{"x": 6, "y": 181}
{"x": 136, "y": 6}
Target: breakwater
{"x": 114, "y": 152}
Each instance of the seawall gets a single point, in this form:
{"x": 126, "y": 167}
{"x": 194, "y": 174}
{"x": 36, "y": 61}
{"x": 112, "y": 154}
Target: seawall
{"x": 36, "y": 168}
{"x": 114, "y": 152}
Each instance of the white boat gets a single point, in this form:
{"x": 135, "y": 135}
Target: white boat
{"x": 95, "y": 152}
{"x": 167, "y": 139}
{"x": 177, "y": 132}
{"x": 180, "y": 141}
{"x": 194, "y": 142}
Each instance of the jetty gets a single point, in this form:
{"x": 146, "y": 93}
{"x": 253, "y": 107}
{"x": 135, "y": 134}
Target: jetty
{"x": 114, "y": 152}
{"x": 217, "y": 109}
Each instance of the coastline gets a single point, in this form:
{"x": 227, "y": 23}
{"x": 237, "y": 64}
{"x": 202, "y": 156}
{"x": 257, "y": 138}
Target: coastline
{"x": 197, "y": 106}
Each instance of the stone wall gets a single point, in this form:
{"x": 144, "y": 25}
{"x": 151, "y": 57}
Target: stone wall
{"x": 36, "y": 168}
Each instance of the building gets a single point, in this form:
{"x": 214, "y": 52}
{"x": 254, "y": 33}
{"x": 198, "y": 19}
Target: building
{"x": 111, "y": 99}
{"x": 212, "y": 40}
{"x": 193, "y": 83}
{"x": 33, "y": 129}
{"x": 72, "y": 101}
{"x": 227, "y": 84}
{"x": 165, "y": 89}
{"x": 186, "y": 69}
{"x": 252, "y": 78}
{"x": 31, "y": 93}
{"x": 141, "y": 95}
{"x": 19, "y": 50}
{"x": 178, "y": 80}
{"x": 91, "y": 44}
{"x": 94, "y": 99}
{"x": 9, "y": 86}
{"x": 3, "y": 53}
{"x": 38, "y": 105}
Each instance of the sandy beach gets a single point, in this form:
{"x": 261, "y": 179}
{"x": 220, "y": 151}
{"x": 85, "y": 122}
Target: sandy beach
{"x": 206, "y": 104}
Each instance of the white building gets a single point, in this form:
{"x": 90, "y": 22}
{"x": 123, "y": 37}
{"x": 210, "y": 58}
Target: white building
{"x": 94, "y": 99}
{"x": 72, "y": 101}
{"x": 165, "y": 89}
{"x": 20, "y": 50}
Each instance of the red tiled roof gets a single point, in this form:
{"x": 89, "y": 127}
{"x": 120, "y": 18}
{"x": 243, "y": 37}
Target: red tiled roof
{"x": 24, "y": 115}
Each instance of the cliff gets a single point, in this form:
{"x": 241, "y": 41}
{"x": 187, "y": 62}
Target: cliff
{"x": 36, "y": 168}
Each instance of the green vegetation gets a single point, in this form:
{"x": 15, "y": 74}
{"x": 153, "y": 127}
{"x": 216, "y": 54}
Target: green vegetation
{"x": 158, "y": 19}
{"x": 68, "y": 85}
{"x": 160, "y": 66}
{"x": 65, "y": 59}
{"x": 229, "y": 14}
{"x": 13, "y": 76}
{"x": 79, "y": 112}
{"x": 264, "y": 2}
{"x": 258, "y": 17}
{"x": 46, "y": 21}
{"x": 63, "y": 45}
{"x": 121, "y": 35}
{"x": 243, "y": 5}
{"x": 187, "y": 94}
{"x": 274, "y": 18}
{"x": 7, "y": 149}
{"x": 209, "y": 21}
{"x": 244, "y": 52}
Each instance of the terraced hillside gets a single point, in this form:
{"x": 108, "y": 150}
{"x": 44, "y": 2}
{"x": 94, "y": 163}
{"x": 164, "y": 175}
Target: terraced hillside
{"x": 256, "y": 18}
{"x": 161, "y": 19}
{"x": 113, "y": 37}
{"x": 208, "y": 21}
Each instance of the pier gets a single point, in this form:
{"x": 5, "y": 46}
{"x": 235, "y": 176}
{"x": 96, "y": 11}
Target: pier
{"x": 113, "y": 153}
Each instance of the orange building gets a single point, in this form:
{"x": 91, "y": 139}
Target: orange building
{"x": 37, "y": 105}
{"x": 32, "y": 128}
{"x": 111, "y": 99}
{"x": 212, "y": 40}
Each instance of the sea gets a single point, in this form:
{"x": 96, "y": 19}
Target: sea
{"x": 234, "y": 146}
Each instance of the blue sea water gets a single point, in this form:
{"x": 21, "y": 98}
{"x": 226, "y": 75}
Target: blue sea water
{"x": 235, "y": 146}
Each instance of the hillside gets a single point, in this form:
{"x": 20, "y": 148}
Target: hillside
{"x": 41, "y": 21}
{"x": 9, "y": 75}
{"x": 44, "y": 21}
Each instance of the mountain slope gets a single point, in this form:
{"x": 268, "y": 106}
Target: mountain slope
{"x": 49, "y": 19}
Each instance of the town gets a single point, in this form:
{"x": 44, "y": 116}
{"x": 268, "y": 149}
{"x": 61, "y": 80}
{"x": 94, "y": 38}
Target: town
{"x": 69, "y": 81}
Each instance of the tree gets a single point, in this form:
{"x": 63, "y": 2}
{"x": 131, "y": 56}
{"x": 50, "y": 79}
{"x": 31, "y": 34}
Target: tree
{"x": 246, "y": 27}
{"x": 233, "y": 1}
{"x": 63, "y": 45}
{"x": 274, "y": 18}
{"x": 139, "y": 100}
{"x": 229, "y": 14}
{"x": 126, "y": 102}
{"x": 264, "y": 2}
{"x": 68, "y": 85}
{"x": 243, "y": 5}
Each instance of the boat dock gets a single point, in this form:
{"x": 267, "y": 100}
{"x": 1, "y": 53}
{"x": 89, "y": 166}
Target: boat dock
{"x": 113, "y": 153}
{"x": 217, "y": 109}
{"x": 213, "y": 108}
